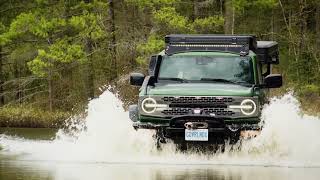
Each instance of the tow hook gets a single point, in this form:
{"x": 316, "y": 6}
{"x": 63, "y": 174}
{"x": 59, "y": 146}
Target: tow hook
{"x": 196, "y": 125}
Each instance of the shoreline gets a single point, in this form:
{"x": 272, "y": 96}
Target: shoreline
{"x": 31, "y": 117}
{"x": 27, "y": 117}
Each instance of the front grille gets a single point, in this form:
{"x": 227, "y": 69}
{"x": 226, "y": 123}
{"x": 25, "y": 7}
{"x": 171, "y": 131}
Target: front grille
{"x": 197, "y": 99}
{"x": 208, "y": 105}
{"x": 218, "y": 111}
{"x": 185, "y": 111}
{"x": 177, "y": 111}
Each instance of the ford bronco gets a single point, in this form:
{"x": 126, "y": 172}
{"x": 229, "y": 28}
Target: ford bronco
{"x": 206, "y": 88}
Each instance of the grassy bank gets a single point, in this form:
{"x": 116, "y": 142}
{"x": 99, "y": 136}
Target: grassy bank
{"x": 308, "y": 98}
{"x": 29, "y": 117}
{"x": 311, "y": 105}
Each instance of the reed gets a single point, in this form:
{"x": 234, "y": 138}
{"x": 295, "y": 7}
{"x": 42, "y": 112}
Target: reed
{"x": 29, "y": 117}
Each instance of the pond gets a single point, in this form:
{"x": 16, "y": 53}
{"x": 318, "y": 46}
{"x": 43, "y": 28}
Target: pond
{"x": 22, "y": 165}
{"x": 107, "y": 147}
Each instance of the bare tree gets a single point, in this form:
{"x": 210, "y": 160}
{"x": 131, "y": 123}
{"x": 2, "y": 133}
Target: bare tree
{"x": 113, "y": 40}
{"x": 89, "y": 66}
{"x": 228, "y": 17}
{"x": 1, "y": 78}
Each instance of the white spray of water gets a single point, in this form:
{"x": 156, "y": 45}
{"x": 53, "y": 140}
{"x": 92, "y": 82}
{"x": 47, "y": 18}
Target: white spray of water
{"x": 288, "y": 139}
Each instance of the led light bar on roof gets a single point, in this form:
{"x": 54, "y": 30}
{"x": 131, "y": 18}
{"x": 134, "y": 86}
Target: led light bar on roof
{"x": 240, "y": 44}
{"x": 205, "y": 45}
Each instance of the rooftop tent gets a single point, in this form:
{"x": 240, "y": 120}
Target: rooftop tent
{"x": 268, "y": 52}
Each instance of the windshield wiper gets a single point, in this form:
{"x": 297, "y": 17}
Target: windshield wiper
{"x": 175, "y": 79}
{"x": 225, "y": 81}
{"x": 218, "y": 80}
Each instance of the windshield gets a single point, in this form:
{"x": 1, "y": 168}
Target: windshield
{"x": 206, "y": 68}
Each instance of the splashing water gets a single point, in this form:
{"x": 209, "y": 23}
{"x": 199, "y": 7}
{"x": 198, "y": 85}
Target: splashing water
{"x": 288, "y": 139}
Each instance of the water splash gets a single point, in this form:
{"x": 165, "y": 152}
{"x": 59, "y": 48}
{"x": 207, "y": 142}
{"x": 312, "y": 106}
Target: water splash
{"x": 289, "y": 139}
{"x": 290, "y": 136}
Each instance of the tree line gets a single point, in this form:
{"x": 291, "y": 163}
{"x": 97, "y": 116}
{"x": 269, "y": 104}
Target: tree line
{"x": 56, "y": 54}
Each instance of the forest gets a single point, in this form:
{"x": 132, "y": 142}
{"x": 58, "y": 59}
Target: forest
{"x": 56, "y": 55}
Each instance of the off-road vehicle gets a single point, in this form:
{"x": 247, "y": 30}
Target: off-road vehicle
{"x": 205, "y": 88}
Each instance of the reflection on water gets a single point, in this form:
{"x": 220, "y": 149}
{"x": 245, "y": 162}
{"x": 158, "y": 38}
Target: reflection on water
{"x": 78, "y": 171}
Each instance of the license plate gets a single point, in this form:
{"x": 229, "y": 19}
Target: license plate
{"x": 196, "y": 134}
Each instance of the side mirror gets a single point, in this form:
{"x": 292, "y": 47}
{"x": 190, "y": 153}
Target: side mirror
{"x": 273, "y": 81}
{"x": 136, "y": 79}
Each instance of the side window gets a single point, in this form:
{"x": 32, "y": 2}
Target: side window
{"x": 259, "y": 71}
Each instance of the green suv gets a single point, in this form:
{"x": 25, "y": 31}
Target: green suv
{"x": 206, "y": 88}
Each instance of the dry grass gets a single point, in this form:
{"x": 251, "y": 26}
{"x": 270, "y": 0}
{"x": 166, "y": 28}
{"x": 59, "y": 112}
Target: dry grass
{"x": 31, "y": 118}
{"x": 311, "y": 105}
{"x": 310, "y": 101}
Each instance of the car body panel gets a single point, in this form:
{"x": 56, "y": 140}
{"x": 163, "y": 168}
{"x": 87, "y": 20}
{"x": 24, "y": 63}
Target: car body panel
{"x": 201, "y": 89}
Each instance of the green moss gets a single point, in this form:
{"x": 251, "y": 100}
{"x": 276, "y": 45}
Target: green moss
{"x": 31, "y": 117}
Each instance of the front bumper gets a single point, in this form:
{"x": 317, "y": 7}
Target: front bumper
{"x": 148, "y": 125}
{"x": 174, "y": 127}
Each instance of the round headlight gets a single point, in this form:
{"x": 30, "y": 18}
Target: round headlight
{"x": 248, "y": 107}
{"x": 148, "y": 105}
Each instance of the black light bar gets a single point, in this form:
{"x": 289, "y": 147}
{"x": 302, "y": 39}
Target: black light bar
{"x": 241, "y": 44}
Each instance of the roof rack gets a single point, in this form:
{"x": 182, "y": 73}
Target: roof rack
{"x": 241, "y": 44}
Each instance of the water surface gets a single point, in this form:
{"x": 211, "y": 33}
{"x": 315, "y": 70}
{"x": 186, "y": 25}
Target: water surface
{"x": 107, "y": 147}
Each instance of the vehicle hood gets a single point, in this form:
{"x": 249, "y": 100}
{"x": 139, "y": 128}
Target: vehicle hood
{"x": 200, "y": 89}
